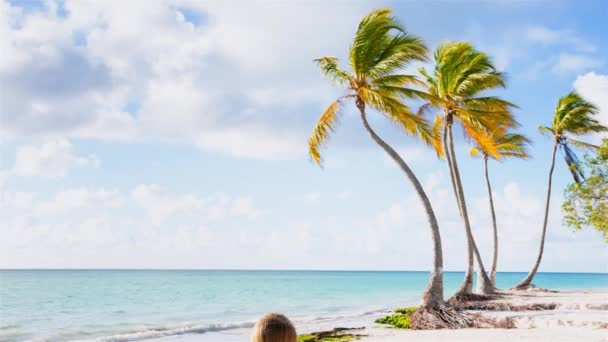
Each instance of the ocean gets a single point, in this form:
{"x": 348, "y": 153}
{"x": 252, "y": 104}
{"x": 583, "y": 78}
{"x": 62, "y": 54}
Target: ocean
{"x": 193, "y": 305}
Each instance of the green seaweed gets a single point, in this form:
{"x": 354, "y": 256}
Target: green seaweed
{"x": 335, "y": 338}
{"x": 335, "y": 335}
{"x": 400, "y": 319}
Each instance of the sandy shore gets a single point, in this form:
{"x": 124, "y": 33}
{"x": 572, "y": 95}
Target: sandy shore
{"x": 579, "y": 316}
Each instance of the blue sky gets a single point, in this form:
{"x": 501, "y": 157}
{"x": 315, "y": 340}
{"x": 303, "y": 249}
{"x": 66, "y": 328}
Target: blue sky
{"x": 173, "y": 135}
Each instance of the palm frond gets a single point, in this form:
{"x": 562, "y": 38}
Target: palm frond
{"x": 438, "y": 136}
{"x": 462, "y": 71}
{"x": 399, "y": 113}
{"x": 573, "y": 163}
{"x": 494, "y": 123}
{"x": 397, "y": 80}
{"x": 546, "y": 130}
{"x": 402, "y": 92}
{"x": 329, "y": 66}
{"x": 400, "y": 50}
{"x": 489, "y": 103}
{"x": 320, "y": 134}
{"x": 424, "y": 109}
{"x": 382, "y": 45}
{"x": 582, "y": 144}
{"x": 513, "y": 145}
{"x": 482, "y": 139}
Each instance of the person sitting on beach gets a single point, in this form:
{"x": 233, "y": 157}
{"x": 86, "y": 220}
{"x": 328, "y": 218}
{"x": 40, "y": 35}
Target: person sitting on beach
{"x": 274, "y": 327}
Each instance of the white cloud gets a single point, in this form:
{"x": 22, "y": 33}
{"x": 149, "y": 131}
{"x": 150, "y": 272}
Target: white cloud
{"x": 519, "y": 216}
{"x": 344, "y": 195}
{"x": 160, "y": 205}
{"x": 549, "y": 36}
{"x": 77, "y": 199}
{"x": 572, "y": 63}
{"x": 594, "y": 88}
{"x": 51, "y": 159}
{"x": 252, "y": 142}
{"x": 187, "y": 230}
{"x": 313, "y": 196}
{"x": 187, "y": 84}
{"x": 16, "y": 200}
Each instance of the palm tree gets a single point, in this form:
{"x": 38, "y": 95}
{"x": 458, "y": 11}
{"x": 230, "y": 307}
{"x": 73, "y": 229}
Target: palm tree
{"x": 461, "y": 73}
{"x": 573, "y": 117}
{"x": 381, "y": 48}
{"x": 510, "y": 145}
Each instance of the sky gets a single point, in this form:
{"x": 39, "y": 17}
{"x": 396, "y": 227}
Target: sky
{"x": 173, "y": 134}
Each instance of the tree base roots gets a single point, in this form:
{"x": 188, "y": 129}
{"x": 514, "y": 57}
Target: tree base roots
{"x": 497, "y": 306}
{"x": 468, "y": 297}
{"x": 448, "y": 317}
{"x": 532, "y": 288}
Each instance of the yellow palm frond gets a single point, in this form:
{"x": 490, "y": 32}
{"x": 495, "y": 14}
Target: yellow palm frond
{"x": 320, "y": 134}
{"x": 329, "y": 66}
{"x": 482, "y": 139}
{"x": 398, "y": 113}
{"x": 438, "y": 136}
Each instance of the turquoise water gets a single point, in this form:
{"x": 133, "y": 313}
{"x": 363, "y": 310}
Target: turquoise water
{"x": 122, "y": 305}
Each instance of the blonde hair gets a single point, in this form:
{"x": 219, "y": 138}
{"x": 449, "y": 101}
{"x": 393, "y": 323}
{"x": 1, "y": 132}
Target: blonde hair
{"x": 274, "y": 327}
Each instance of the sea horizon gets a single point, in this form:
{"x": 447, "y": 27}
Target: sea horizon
{"x": 266, "y": 270}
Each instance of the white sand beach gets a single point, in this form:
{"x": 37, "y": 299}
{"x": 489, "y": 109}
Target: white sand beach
{"x": 579, "y": 316}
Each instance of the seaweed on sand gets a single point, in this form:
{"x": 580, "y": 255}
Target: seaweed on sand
{"x": 334, "y": 335}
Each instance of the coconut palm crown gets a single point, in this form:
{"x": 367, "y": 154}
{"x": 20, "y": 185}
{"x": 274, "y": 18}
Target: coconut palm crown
{"x": 460, "y": 76}
{"x": 380, "y": 50}
{"x": 574, "y": 116}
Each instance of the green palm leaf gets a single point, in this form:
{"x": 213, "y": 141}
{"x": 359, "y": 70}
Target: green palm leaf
{"x": 380, "y": 49}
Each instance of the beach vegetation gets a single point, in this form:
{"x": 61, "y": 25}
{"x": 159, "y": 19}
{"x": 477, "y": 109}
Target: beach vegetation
{"x": 586, "y": 203}
{"x": 400, "y": 319}
{"x": 334, "y": 335}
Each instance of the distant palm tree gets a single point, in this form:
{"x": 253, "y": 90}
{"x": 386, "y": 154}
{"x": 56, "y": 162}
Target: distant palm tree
{"x": 461, "y": 73}
{"x": 381, "y": 48}
{"x": 510, "y": 145}
{"x": 573, "y": 117}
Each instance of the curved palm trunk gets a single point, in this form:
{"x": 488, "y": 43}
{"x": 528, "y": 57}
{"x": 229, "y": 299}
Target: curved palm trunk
{"x": 466, "y": 286}
{"x": 528, "y": 279}
{"x": 494, "y": 227}
{"x": 483, "y": 282}
{"x": 433, "y": 295}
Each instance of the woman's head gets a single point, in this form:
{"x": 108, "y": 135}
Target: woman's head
{"x": 274, "y": 327}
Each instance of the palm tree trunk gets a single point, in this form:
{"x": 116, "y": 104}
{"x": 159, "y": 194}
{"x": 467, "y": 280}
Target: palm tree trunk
{"x": 483, "y": 282}
{"x": 494, "y": 228}
{"x": 466, "y": 287}
{"x": 528, "y": 279}
{"x": 433, "y": 295}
